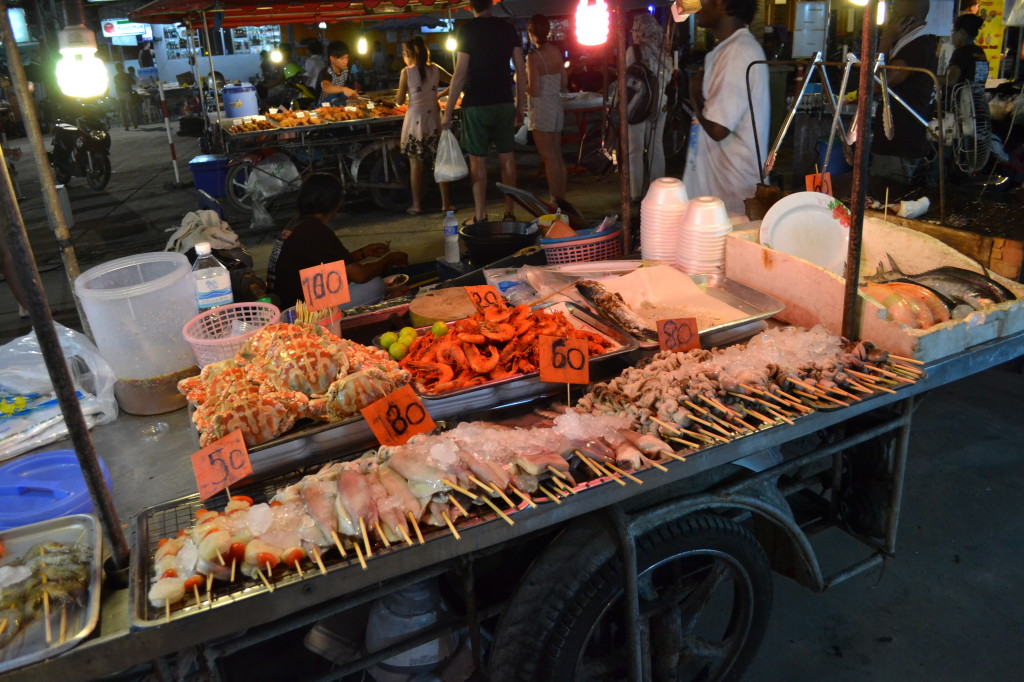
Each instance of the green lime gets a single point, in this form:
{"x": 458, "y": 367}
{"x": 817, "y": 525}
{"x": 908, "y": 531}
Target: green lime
{"x": 388, "y": 338}
{"x": 407, "y": 338}
{"x": 439, "y": 329}
{"x": 398, "y": 350}
{"x": 410, "y": 331}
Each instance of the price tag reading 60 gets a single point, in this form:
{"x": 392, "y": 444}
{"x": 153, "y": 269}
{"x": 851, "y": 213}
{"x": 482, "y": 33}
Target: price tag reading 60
{"x": 484, "y": 296}
{"x": 220, "y": 464}
{"x": 325, "y": 286}
{"x": 678, "y": 335}
{"x": 397, "y": 417}
{"x": 564, "y": 361}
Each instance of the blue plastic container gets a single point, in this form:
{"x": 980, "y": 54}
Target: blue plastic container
{"x": 836, "y": 161}
{"x": 239, "y": 100}
{"x": 44, "y": 486}
{"x": 210, "y": 172}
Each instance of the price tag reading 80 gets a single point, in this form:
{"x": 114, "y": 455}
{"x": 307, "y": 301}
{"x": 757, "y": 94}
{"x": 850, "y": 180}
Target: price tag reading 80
{"x": 220, "y": 464}
{"x": 397, "y": 417}
{"x": 564, "y": 361}
{"x": 325, "y": 286}
{"x": 484, "y": 296}
{"x": 678, "y": 335}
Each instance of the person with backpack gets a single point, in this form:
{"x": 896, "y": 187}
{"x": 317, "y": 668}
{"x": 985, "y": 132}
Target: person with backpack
{"x": 723, "y": 163}
{"x": 648, "y": 69}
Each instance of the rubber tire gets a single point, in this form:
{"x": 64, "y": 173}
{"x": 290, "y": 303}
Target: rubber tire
{"x": 542, "y": 634}
{"x": 397, "y": 199}
{"x": 100, "y": 176}
{"x": 234, "y": 187}
{"x": 62, "y": 177}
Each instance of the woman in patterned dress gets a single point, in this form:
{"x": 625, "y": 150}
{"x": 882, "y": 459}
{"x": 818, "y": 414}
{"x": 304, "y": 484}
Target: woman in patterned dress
{"x": 546, "y": 78}
{"x": 422, "y": 126}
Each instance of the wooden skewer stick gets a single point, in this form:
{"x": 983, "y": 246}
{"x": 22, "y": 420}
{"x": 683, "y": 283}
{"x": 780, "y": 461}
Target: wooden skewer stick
{"x": 451, "y": 526}
{"x": 366, "y": 538}
{"x": 234, "y": 563}
{"x": 380, "y": 534}
{"x": 607, "y": 472}
{"x": 910, "y": 360}
{"x": 626, "y": 474}
{"x": 815, "y": 400}
{"x": 795, "y": 401}
{"x": 689, "y": 444}
{"x": 893, "y": 375}
{"x": 167, "y": 611}
{"x": 823, "y": 396}
{"x": 298, "y": 569}
{"x": 720, "y": 405}
{"x": 503, "y": 515}
{"x": 701, "y": 436}
{"x": 209, "y": 589}
{"x": 589, "y": 464}
{"x": 472, "y": 496}
{"x": 673, "y": 455}
{"x": 3, "y": 626}
{"x": 502, "y": 495}
{"x": 264, "y": 579}
{"x": 562, "y": 485}
{"x": 46, "y": 612}
{"x": 668, "y": 427}
{"x": 656, "y": 465}
{"x": 524, "y": 497}
{"x": 556, "y": 472}
{"x": 337, "y": 543}
{"x": 457, "y": 505}
{"x": 839, "y": 391}
{"x": 757, "y": 415}
{"x": 548, "y": 494}
{"x": 319, "y": 561}
{"x": 220, "y": 557}
{"x": 480, "y": 484}
{"x": 405, "y": 536}
{"x": 858, "y": 387}
{"x": 803, "y": 384}
{"x": 359, "y": 554}
{"x": 776, "y": 413}
{"x": 872, "y": 380}
{"x": 740, "y": 428}
{"x": 63, "y": 624}
{"x": 415, "y": 527}
{"x": 270, "y": 571}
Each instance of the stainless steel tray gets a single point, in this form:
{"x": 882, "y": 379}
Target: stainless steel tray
{"x": 29, "y": 646}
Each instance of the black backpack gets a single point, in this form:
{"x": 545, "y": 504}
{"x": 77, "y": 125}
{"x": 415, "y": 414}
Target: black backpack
{"x": 641, "y": 102}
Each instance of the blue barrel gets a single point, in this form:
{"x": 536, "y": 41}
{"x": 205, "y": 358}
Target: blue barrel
{"x": 836, "y": 161}
{"x": 239, "y": 100}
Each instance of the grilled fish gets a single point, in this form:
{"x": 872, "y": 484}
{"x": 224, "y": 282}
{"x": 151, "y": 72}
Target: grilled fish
{"x": 612, "y": 306}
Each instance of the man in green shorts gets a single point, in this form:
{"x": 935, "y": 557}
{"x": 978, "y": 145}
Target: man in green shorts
{"x": 493, "y": 101}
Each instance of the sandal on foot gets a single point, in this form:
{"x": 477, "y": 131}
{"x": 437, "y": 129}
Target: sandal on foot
{"x": 413, "y": 211}
{"x": 509, "y": 218}
{"x": 473, "y": 221}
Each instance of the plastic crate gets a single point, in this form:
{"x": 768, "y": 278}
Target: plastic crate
{"x": 219, "y": 333}
{"x": 585, "y": 246}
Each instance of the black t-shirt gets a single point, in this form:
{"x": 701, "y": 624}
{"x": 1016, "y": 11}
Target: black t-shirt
{"x": 489, "y": 42}
{"x": 910, "y": 138}
{"x": 146, "y": 57}
{"x": 304, "y": 243}
{"x": 972, "y": 62}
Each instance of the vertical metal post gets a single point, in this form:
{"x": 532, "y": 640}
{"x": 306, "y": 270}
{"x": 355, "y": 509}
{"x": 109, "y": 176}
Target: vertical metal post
{"x": 620, "y": 69}
{"x": 213, "y": 76}
{"x": 858, "y": 192}
{"x": 899, "y": 470}
{"x": 167, "y": 127}
{"x": 631, "y": 594}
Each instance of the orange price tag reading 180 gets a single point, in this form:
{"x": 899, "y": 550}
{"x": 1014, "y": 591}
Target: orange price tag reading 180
{"x": 564, "y": 361}
{"x": 397, "y": 417}
{"x": 678, "y": 335}
{"x": 819, "y": 182}
{"x": 220, "y": 464}
{"x": 325, "y": 286}
{"x": 484, "y": 296}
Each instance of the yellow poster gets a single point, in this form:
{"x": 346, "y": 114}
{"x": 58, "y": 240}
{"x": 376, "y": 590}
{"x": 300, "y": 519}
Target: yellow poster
{"x": 990, "y": 37}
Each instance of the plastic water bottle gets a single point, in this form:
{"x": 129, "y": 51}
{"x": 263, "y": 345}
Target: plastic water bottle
{"x": 451, "y": 238}
{"x": 212, "y": 280}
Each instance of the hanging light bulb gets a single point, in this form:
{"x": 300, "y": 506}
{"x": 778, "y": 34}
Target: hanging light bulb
{"x": 859, "y": 3}
{"x": 322, "y": 25}
{"x": 880, "y": 18}
{"x": 361, "y": 46}
{"x": 592, "y": 22}
{"x": 450, "y": 44}
{"x": 79, "y": 72}
{"x": 276, "y": 56}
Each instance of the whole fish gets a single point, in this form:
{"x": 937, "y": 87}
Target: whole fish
{"x": 612, "y": 306}
{"x": 958, "y": 284}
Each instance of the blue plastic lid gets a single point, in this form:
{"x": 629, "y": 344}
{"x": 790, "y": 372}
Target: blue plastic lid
{"x": 44, "y": 486}
{"x": 208, "y": 159}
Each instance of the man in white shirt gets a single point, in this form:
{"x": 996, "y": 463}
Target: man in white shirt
{"x": 722, "y": 160}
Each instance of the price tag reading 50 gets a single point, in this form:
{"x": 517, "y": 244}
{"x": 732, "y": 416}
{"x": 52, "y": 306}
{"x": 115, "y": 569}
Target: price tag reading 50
{"x": 678, "y": 335}
{"x": 325, "y": 286}
{"x": 220, "y": 464}
{"x": 484, "y": 296}
{"x": 564, "y": 361}
{"x": 397, "y": 417}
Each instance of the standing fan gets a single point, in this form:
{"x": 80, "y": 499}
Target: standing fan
{"x": 967, "y": 127}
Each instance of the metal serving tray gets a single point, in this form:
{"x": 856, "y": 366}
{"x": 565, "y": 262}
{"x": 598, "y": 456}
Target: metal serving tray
{"x": 29, "y": 646}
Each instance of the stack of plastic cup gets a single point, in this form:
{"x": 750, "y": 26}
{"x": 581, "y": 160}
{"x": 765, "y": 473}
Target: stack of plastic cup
{"x": 661, "y": 214}
{"x": 700, "y": 246}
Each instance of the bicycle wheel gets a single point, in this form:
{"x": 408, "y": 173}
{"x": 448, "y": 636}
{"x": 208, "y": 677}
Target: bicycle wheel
{"x": 397, "y": 196}
{"x": 235, "y": 190}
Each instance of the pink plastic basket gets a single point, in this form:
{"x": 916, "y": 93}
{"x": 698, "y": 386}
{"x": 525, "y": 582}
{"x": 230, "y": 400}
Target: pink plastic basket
{"x": 604, "y": 246}
{"x": 218, "y": 334}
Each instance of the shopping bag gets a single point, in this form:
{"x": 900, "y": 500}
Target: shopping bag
{"x": 522, "y": 135}
{"x": 598, "y": 149}
{"x": 450, "y": 164}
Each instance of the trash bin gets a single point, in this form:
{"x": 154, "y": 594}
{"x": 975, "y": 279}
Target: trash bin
{"x": 210, "y": 172}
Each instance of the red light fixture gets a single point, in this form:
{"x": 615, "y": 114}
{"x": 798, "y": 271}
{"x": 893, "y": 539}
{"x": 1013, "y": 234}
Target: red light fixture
{"x": 592, "y": 22}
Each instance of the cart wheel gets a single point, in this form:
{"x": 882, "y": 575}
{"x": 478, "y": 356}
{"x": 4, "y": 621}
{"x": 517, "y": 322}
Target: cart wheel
{"x": 705, "y": 597}
{"x": 99, "y": 176}
{"x": 395, "y": 199}
{"x": 234, "y": 188}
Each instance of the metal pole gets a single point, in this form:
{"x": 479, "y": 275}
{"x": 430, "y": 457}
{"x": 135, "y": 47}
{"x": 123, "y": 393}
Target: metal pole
{"x": 858, "y": 192}
{"x": 213, "y": 76}
{"x": 620, "y": 68}
{"x": 167, "y": 127}
{"x": 46, "y": 180}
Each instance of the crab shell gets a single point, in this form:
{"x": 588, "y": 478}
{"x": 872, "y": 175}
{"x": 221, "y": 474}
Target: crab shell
{"x": 351, "y": 393}
{"x": 259, "y": 419}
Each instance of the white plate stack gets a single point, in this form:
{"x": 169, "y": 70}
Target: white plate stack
{"x": 700, "y": 247}
{"x": 661, "y": 214}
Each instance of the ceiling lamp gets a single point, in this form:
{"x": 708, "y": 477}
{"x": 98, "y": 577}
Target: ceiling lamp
{"x": 880, "y": 18}
{"x": 322, "y": 25}
{"x": 80, "y": 73}
{"x": 592, "y": 22}
{"x": 276, "y": 56}
{"x": 450, "y": 44}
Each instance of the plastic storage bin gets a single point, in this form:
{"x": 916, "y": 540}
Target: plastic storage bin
{"x": 210, "y": 173}
{"x": 239, "y": 100}
{"x": 136, "y": 307}
{"x": 44, "y": 486}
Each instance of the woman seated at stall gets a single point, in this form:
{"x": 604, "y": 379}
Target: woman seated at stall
{"x": 308, "y": 240}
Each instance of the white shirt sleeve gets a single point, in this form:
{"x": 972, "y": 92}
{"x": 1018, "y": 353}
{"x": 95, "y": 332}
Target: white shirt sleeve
{"x": 725, "y": 92}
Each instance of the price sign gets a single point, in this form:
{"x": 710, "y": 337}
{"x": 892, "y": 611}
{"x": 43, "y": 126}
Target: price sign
{"x": 324, "y": 286}
{"x": 221, "y": 464}
{"x": 484, "y": 297}
{"x": 564, "y": 361}
{"x": 397, "y": 417}
{"x": 678, "y": 335}
{"x": 819, "y": 182}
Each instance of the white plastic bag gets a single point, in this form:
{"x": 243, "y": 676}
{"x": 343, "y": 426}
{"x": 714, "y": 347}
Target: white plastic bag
{"x": 450, "y": 164}
{"x": 272, "y": 176}
{"x": 523, "y": 134}
{"x": 29, "y": 414}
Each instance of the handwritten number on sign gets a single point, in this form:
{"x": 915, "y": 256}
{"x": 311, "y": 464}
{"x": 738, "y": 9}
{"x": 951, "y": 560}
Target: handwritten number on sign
{"x": 221, "y": 464}
{"x": 325, "y": 286}
{"x": 397, "y": 417}
{"x": 484, "y": 296}
{"x": 564, "y": 361}
{"x": 678, "y": 335}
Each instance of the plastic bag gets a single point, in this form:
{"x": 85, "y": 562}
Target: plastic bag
{"x": 274, "y": 175}
{"x": 450, "y": 164}
{"x": 29, "y": 414}
{"x": 522, "y": 135}
{"x": 261, "y": 218}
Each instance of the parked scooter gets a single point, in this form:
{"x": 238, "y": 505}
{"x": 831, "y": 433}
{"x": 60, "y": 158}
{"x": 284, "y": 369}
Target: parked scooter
{"x": 81, "y": 148}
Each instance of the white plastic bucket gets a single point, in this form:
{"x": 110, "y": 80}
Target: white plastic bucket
{"x": 239, "y": 100}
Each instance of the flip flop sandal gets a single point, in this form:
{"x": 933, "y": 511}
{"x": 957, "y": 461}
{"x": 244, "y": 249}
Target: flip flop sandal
{"x": 509, "y": 218}
{"x": 472, "y": 221}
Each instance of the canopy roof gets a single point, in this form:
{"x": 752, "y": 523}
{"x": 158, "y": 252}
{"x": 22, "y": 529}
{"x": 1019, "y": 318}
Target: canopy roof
{"x": 231, "y": 13}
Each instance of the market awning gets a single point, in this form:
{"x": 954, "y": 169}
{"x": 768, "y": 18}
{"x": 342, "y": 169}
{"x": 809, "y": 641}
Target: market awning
{"x": 231, "y": 13}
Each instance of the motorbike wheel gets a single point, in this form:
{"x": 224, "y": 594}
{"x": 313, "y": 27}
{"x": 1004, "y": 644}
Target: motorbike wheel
{"x": 234, "y": 188}
{"x": 396, "y": 198}
{"x": 99, "y": 176}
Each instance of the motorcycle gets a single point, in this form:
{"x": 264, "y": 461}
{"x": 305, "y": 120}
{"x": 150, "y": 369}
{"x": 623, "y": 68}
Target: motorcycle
{"x": 81, "y": 148}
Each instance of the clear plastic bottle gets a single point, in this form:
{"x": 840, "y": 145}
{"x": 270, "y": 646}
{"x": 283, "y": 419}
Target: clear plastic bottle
{"x": 451, "y": 238}
{"x": 212, "y": 280}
